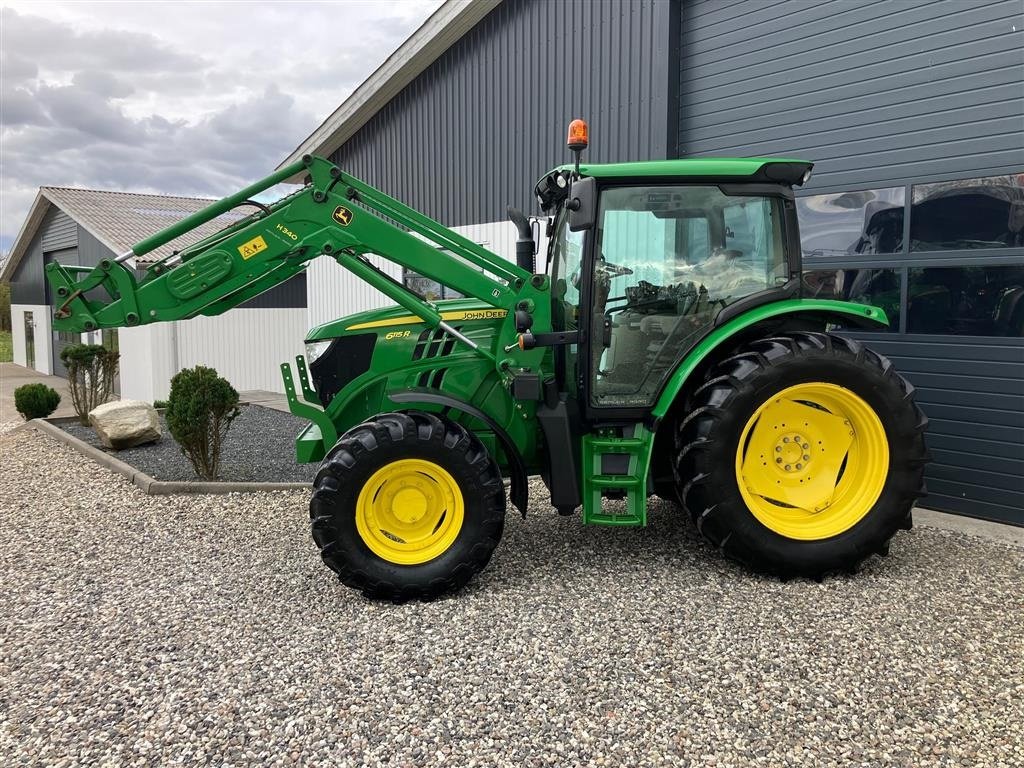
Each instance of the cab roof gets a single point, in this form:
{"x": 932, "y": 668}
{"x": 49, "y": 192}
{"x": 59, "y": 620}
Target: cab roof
{"x": 552, "y": 187}
{"x": 697, "y": 166}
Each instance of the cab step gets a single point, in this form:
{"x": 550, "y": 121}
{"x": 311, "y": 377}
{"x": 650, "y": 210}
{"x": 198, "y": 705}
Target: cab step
{"x": 613, "y": 463}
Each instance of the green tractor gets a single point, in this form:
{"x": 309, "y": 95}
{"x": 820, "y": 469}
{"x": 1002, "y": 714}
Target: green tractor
{"x": 660, "y": 347}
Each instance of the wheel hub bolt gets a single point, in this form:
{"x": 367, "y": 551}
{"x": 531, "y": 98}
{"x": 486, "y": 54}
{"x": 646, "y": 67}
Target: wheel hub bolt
{"x": 807, "y": 457}
{"x": 799, "y": 466}
{"x": 778, "y": 449}
{"x": 785, "y": 439}
{"x": 778, "y": 461}
{"x": 787, "y": 467}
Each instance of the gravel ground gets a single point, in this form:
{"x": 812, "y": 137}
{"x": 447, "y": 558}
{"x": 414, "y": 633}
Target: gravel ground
{"x": 260, "y": 447}
{"x": 143, "y": 630}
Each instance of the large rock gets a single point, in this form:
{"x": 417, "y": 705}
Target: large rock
{"x": 125, "y": 423}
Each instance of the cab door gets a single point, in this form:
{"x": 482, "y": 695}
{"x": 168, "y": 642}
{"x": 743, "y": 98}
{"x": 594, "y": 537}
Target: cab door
{"x": 665, "y": 260}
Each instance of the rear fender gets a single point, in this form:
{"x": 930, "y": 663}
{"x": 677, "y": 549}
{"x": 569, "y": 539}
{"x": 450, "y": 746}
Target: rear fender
{"x": 807, "y": 313}
{"x": 758, "y": 322}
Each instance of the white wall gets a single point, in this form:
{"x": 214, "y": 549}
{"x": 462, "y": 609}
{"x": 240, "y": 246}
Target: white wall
{"x": 500, "y": 237}
{"x": 148, "y": 360}
{"x": 332, "y": 291}
{"x": 335, "y": 292}
{"x": 246, "y": 346}
{"x": 42, "y": 335}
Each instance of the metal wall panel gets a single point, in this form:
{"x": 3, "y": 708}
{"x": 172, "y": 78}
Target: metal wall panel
{"x": 875, "y": 93}
{"x": 972, "y": 390}
{"x": 90, "y": 249}
{"x": 475, "y": 130}
{"x": 881, "y": 94}
{"x": 59, "y": 230}
{"x": 291, "y": 294}
{"x": 28, "y": 285}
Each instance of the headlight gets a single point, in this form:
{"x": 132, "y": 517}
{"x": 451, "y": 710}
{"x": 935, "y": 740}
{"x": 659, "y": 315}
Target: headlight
{"x": 314, "y": 349}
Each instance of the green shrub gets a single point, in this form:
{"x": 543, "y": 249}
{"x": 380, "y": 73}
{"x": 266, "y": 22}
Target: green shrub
{"x": 36, "y": 401}
{"x": 91, "y": 372}
{"x": 200, "y": 410}
{"x": 160, "y": 404}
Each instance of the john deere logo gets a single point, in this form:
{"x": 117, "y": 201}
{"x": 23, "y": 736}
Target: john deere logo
{"x": 343, "y": 215}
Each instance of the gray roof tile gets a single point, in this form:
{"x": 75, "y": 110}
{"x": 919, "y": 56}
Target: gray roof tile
{"x": 121, "y": 219}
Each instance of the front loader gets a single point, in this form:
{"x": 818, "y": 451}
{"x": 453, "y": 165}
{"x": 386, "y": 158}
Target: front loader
{"x": 661, "y": 347}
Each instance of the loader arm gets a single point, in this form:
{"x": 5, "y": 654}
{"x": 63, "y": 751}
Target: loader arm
{"x": 333, "y": 214}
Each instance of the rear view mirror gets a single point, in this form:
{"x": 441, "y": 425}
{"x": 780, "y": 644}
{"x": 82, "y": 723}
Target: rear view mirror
{"x": 582, "y": 204}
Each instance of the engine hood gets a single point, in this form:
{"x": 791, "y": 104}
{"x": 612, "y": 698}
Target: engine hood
{"x": 399, "y": 318}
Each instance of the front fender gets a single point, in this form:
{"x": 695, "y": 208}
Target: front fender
{"x": 822, "y": 310}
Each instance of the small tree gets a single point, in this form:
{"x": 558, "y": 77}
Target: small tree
{"x": 200, "y": 410}
{"x": 91, "y": 372}
{"x": 36, "y": 401}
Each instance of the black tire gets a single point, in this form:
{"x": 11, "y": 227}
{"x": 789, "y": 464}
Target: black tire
{"x": 369, "y": 446}
{"x": 708, "y": 436}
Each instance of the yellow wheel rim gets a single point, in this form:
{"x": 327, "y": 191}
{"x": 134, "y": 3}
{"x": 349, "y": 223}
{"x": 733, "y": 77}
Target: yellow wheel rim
{"x": 812, "y": 461}
{"x": 409, "y": 511}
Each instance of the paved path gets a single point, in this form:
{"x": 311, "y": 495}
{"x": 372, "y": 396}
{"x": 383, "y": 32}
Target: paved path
{"x": 275, "y": 400}
{"x": 13, "y": 376}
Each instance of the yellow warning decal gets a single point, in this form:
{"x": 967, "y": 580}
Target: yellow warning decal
{"x": 467, "y": 314}
{"x": 251, "y": 248}
{"x": 343, "y": 215}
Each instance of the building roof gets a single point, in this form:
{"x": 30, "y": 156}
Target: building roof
{"x": 117, "y": 219}
{"x": 446, "y": 26}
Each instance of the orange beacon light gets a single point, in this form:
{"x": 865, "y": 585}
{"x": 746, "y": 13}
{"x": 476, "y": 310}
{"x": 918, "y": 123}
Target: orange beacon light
{"x": 578, "y": 135}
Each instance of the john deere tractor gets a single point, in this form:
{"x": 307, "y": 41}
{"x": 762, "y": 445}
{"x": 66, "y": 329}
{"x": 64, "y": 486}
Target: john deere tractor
{"x": 661, "y": 346}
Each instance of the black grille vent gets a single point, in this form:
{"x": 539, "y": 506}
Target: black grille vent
{"x": 431, "y": 379}
{"x": 434, "y": 343}
{"x": 431, "y": 344}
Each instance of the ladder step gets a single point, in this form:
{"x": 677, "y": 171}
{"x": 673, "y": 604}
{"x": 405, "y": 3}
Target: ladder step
{"x": 604, "y": 519}
{"x": 620, "y": 444}
{"x": 615, "y": 481}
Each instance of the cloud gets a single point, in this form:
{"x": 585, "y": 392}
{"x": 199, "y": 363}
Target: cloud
{"x": 187, "y": 99}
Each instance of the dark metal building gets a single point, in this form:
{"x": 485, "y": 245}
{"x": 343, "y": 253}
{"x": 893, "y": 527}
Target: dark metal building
{"x": 913, "y": 113}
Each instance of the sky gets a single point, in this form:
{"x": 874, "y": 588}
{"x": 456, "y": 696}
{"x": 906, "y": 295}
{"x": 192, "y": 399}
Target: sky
{"x": 186, "y": 98}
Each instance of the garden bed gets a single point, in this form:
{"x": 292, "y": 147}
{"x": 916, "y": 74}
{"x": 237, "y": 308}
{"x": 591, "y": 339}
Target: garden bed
{"x": 259, "y": 448}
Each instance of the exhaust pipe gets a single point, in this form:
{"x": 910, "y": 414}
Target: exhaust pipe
{"x": 525, "y": 247}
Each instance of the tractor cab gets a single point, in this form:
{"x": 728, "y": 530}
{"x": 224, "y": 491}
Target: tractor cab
{"x": 645, "y": 259}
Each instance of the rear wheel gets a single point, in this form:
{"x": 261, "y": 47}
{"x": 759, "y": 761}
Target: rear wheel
{"x": 407, "y": 506}
{"x": 801, "y": 455}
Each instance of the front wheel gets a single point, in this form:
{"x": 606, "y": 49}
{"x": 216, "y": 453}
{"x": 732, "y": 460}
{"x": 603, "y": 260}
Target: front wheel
{"x": 802, "y": 455}
{"x": 407, "y": 506}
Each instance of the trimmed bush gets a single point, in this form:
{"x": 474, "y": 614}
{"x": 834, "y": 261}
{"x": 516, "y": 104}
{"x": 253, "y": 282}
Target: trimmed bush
{"x": 91, "y": 372}
{"x": 160, "y": 404}
{"x": 200, "y": 410}
{"x": 36, "y": 401}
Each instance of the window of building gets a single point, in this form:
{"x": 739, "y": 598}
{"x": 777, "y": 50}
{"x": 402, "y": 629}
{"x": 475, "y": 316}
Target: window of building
{"x": 877, "y": 287}
{"x": 429, "y": 289}
{"x": 968, "y": 214}
{"x": 969, "y": 301}
{"x": 848, "y": 224}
